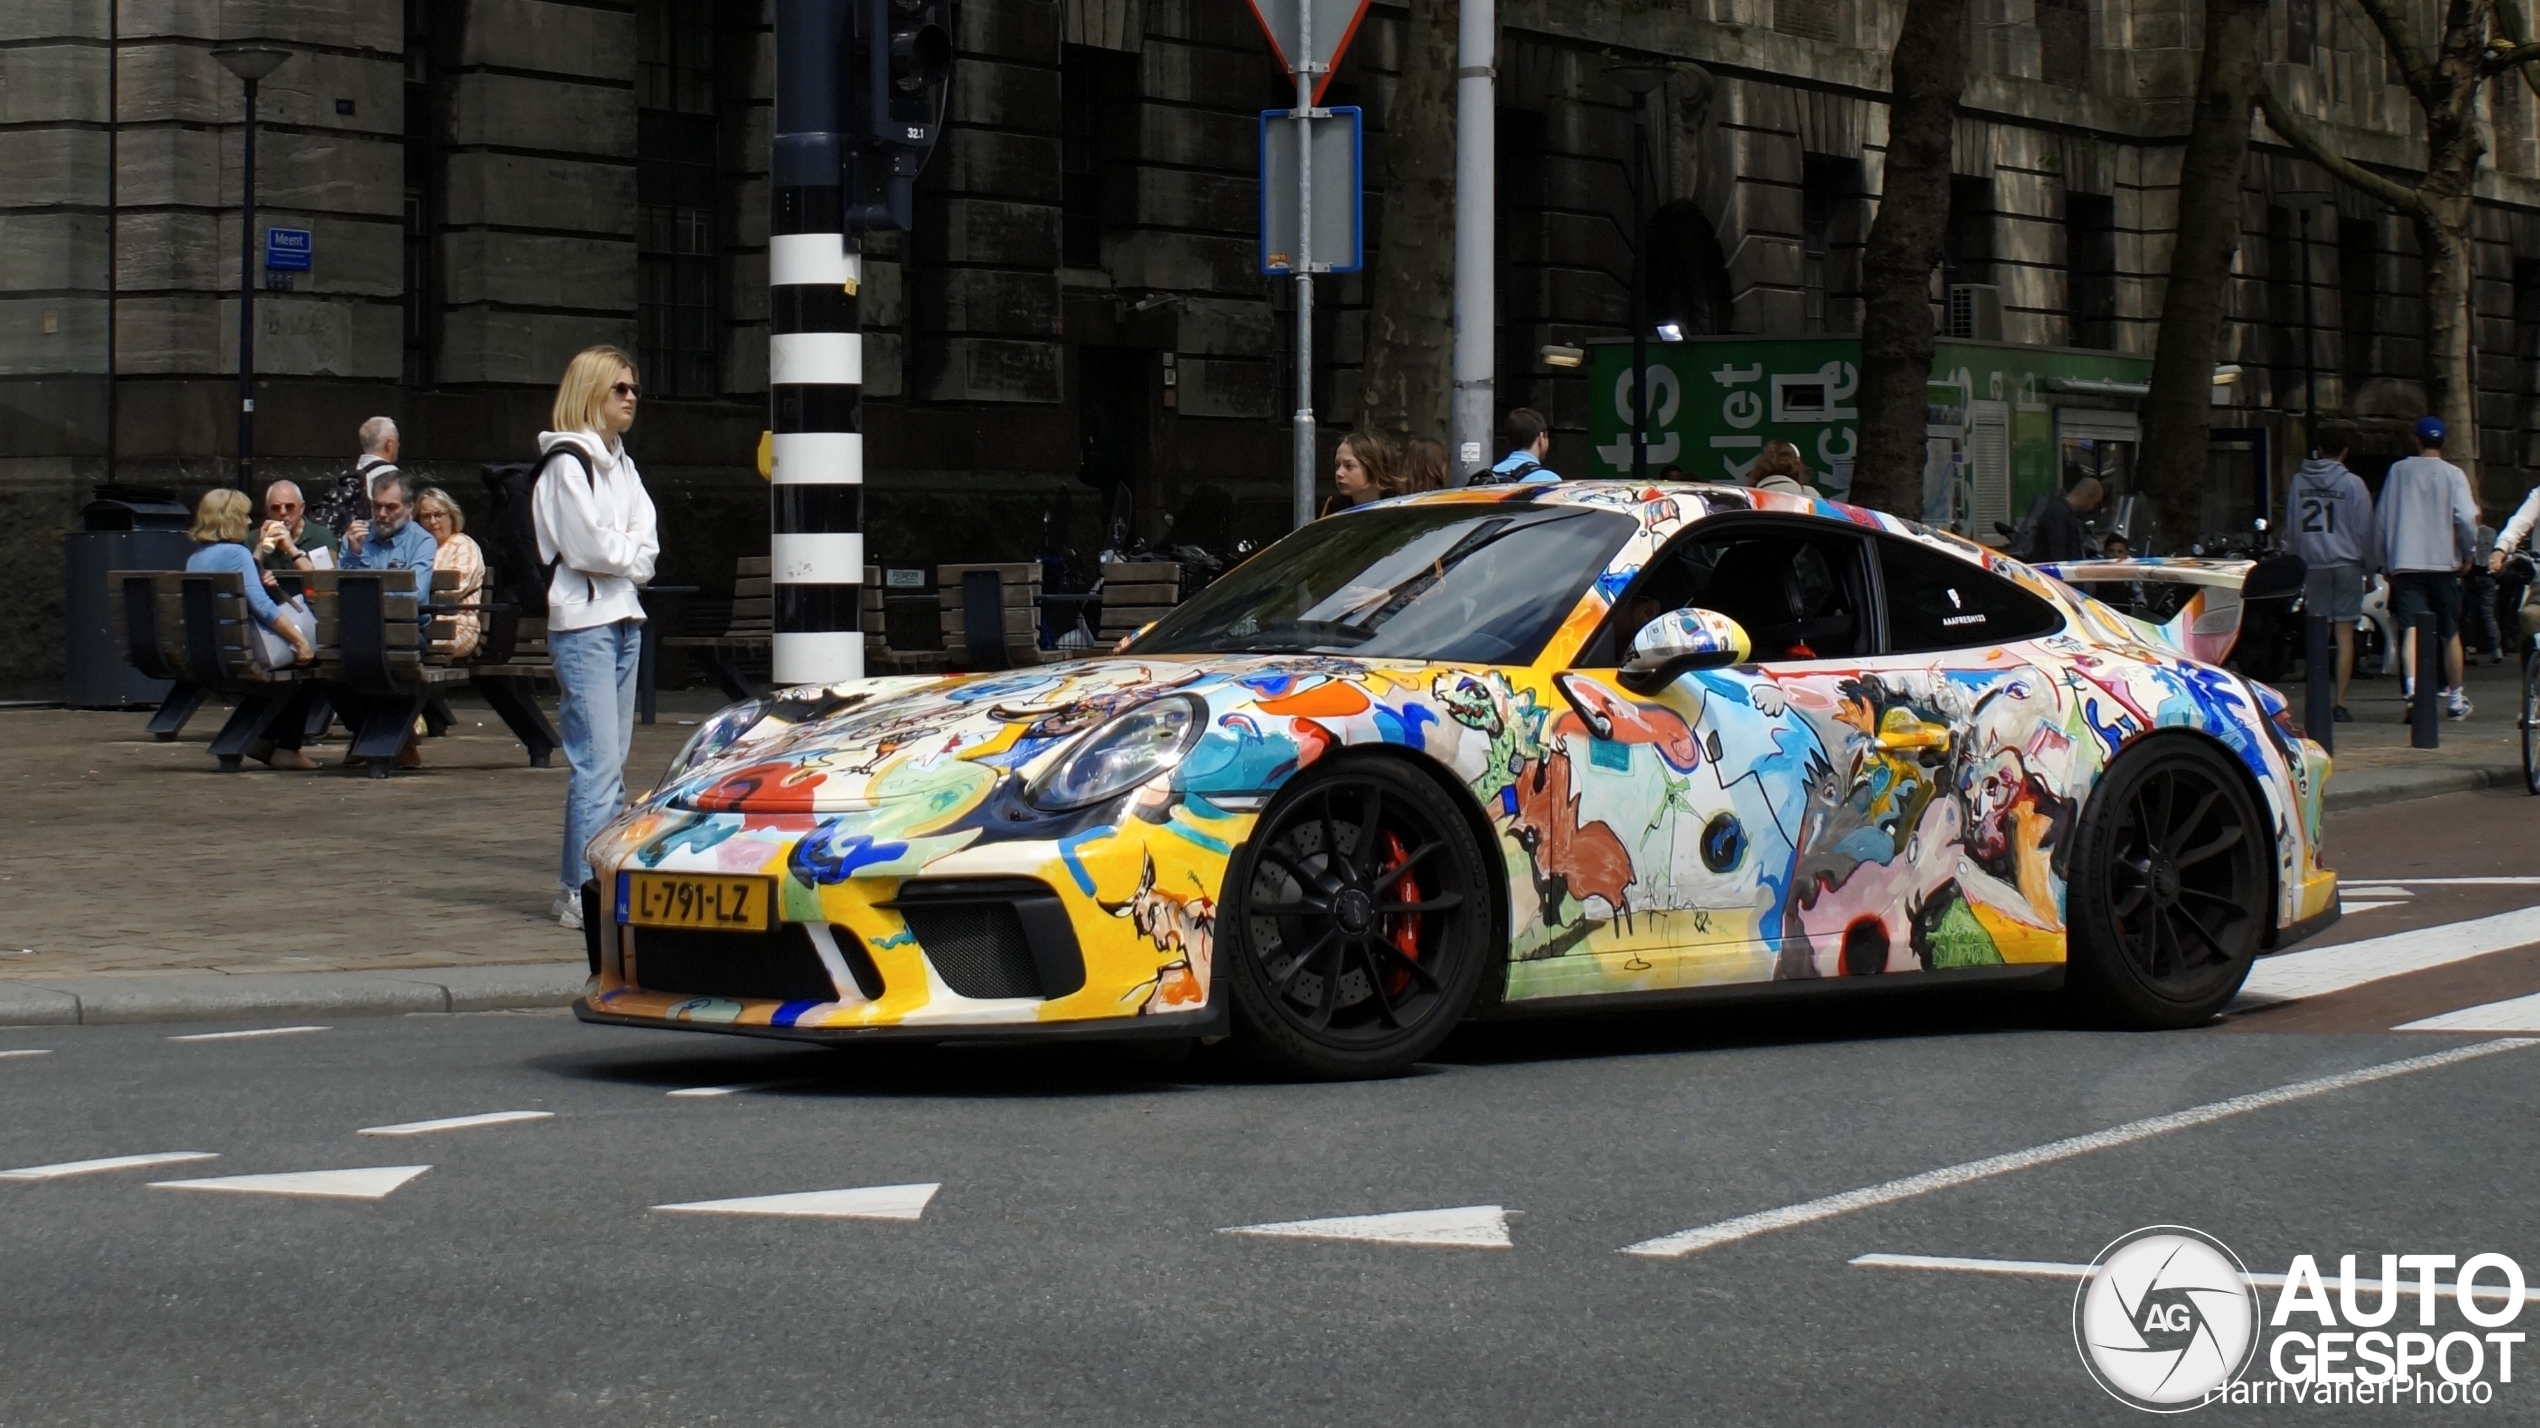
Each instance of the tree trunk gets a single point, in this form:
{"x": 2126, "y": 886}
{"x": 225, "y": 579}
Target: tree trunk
{"x": 2198, "y": 297}
{"x": 1411, "y": 322}
{"x": 1929, "y": 68}
{"x": 2451, "y": 384}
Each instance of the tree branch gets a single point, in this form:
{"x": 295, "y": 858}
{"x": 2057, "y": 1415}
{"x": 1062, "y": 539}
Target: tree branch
{"x": 2401, "y": 37}
{"x": 2302, "y": 134}
{"x": 2517, "y": 25}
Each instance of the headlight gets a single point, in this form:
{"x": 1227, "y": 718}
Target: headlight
{"x": 1124, "y": 753}
{"x": 713, "y": 737}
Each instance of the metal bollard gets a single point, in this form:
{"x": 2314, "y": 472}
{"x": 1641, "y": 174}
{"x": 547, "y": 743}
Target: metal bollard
{"x": 2426, "y": 722}
{"x": 2319, "y": 683}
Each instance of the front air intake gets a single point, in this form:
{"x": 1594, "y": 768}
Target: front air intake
{"x": 991, "y": 938}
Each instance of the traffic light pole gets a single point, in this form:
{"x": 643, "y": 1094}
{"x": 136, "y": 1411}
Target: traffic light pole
{"x": 815, "y": 363}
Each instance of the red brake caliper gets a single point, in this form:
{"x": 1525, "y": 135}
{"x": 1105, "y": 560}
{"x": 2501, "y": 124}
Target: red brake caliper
{"x": 1406, "y": 925}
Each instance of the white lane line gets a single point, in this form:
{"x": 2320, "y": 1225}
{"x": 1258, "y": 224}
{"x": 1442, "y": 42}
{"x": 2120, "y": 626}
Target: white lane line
{"x": 371, "y": 1183}
{"x": 451, "y": 1123}
{"x": 2346, "y": 890}
{"x": 2048, "y": 1269}
{"x": 112, "y": 1162}
{"x": 2345, "y": 906}
{"x": 1685, "y": 1242}
{"x": 243, "y": 1035}
{"x": 2518, "y": 880}
{"x": 2516, "y": 1014}
{"x": 2320, "y": 971}
{"x": 1464, "y": 1227}
{"x": 871, "y": 1202}
{"x": 733, "y": 1090}
{"x": 46, "y": 1051}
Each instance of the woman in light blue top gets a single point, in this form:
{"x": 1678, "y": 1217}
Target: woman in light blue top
{"x": 220, "y": 536}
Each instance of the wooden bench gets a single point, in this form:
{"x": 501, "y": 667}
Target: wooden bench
{"x": 133, "y": 592}
{"x": 1136, "y": 594}
{"x": 194, "y": 626}
{"x": 381, "y": 672}
{"x": 751, "y": 636}
{"x": 504, "y": 669}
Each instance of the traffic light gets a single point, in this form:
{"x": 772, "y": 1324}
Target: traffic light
{"x": 899, "y": 68}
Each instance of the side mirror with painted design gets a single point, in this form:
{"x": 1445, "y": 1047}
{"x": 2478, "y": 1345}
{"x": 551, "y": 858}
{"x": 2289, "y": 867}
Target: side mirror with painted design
{"x": 1679, "y": 642}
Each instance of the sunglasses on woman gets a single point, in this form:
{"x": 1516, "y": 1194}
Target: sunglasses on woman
{"x": 625, "y": 389}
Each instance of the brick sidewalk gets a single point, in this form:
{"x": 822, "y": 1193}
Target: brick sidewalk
{"x": 122, "y": 856}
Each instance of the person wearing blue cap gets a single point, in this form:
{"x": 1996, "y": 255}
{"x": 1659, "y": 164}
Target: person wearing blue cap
{"x": 2426, "y": 526}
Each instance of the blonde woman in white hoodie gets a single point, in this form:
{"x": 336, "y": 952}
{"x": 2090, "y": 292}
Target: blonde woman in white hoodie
{"x": 596, "y": 524}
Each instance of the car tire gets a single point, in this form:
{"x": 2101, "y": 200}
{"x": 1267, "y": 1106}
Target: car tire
{"x": 2168, "y": 899}
{"x": 1354, "y": 966}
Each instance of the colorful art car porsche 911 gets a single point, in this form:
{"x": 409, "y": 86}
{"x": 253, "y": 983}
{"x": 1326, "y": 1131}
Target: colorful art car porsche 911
{"x": 1480, "y": 752}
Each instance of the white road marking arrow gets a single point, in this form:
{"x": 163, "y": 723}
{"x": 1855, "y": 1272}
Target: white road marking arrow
{"x": 489, "y": 1118}
{"x": 112, "y": 1162}
{"x": 374, "y": 1183}
{"x": 872, "y": 1202}
{"x": 1465, "y": 1227}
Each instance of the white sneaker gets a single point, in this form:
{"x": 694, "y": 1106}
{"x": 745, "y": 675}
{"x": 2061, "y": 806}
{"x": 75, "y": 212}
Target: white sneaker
{"x": 2458, "y": 706}
{"x": 568, "y": 908}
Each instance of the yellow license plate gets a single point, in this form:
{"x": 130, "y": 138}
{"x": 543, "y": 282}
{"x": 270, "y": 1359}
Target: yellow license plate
{"x": 719, "y": 904}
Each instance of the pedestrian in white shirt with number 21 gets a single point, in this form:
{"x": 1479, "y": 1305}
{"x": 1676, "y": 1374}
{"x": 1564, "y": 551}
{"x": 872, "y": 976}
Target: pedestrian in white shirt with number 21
{"x": 596, "y": 524}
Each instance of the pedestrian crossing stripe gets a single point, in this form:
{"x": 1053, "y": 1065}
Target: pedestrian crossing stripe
{"x": 2516, "y": 1014}
{"x": 113, "y": 1162}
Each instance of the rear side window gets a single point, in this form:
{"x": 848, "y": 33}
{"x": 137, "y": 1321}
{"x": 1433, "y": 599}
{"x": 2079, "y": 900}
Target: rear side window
{"x": 1938, "y": 602}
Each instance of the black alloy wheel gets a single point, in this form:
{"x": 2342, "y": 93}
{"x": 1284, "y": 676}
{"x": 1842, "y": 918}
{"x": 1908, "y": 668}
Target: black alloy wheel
{"x": 1358, "y": 923}
{"x": 2169, "y": 889}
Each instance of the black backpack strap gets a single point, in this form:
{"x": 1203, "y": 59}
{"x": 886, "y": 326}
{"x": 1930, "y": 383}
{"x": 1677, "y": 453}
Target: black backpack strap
{"x": 590, "y": 477}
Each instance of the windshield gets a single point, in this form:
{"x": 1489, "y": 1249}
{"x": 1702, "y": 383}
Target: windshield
{"x": 1476, "y": 584}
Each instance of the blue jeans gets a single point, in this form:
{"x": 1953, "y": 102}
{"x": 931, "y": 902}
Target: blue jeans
{"x": 596, "y": 668}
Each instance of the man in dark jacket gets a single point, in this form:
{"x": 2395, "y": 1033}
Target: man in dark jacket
{"x": 2060, "y": 534}
{"x": 2329, "y": 514}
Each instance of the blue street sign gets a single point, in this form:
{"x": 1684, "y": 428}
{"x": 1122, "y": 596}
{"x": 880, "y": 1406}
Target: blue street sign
{"x": 288, "y": 250}
{"x": 1340, "y": 192}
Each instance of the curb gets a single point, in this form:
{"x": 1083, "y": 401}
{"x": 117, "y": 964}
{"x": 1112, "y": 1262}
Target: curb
{"x": 2368, "y": 788}
{"x": 210, "y": 996}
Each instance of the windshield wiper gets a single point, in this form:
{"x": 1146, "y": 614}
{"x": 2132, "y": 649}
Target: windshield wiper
{"x": 1299, "y": 635}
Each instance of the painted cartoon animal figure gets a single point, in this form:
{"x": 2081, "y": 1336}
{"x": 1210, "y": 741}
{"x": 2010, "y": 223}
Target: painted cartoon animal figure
{"x": 1510, "y": 719}
{"x": 1178, "y": 923}
{"x": 1571, "y": 859}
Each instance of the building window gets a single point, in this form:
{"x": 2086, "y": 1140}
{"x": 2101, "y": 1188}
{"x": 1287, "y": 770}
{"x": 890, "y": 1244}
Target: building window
{"x": 1808, "y": 19}
{"x": 2063, "y": 42}
{"x": 1097, "y": 94}
{"x": 1966, "y": 249}
{"x": 2301, "y": 32}
{"x": 676, "y": 268}
{"x": 421, "y": 162}
{"x": 2358, "y": 300}
{"x": 1829, "y": 209}
{"x": 2090, "y": 268}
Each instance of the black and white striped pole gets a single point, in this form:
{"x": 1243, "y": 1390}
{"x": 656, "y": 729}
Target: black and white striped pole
{"x": 815, "y": 362}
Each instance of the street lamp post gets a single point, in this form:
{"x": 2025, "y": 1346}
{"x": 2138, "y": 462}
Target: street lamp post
{"x": 251, "y": 63}
{"x": 1640, "y": 79}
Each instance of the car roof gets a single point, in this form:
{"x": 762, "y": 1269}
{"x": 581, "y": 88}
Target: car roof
{"x": 1666, "y": 507}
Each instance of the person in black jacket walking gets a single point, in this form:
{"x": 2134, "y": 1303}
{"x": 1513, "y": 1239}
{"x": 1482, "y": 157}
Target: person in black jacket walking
{"x": 2060, "y": 533}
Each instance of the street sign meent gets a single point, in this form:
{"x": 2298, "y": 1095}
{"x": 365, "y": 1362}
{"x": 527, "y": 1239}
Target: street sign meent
{"x": 1335, "y": 25}
{"x": 288, "y": 250}
{"x": 1339, "y": 192}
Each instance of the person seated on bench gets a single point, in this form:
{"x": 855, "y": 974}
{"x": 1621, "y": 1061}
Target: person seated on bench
{"x": 441, "y": 518}
{"x": 390, "y": 540}
{"x": 220, "y": 541}
{"x": 290, "y": 542}
{"x": 220, "y": 535}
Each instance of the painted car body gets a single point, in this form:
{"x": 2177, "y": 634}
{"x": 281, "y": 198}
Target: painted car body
{"x": 1886, "y": 815}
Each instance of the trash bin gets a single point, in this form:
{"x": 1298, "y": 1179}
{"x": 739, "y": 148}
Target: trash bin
{"x": 125, "y": 528}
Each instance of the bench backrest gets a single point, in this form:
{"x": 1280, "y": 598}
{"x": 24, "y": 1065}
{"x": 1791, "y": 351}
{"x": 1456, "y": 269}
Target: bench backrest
{"x": 366, "y": 629}
{"x": 191, "y": 627}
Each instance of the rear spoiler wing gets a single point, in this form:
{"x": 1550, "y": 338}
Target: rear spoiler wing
{"x": 2208, "y": 624}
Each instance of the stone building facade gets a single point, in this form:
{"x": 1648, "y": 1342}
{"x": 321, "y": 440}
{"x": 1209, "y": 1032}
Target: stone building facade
{"x": 1077, "y": 331}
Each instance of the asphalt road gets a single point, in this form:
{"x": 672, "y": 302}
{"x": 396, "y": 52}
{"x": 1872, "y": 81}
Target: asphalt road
{"x": 1070, "y": 1268}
